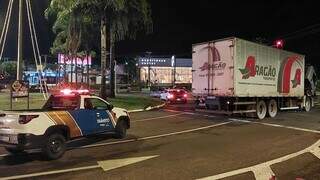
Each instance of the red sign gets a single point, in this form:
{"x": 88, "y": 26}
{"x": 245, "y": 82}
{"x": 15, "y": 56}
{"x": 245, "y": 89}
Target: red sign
{"x": 67, "y": 59}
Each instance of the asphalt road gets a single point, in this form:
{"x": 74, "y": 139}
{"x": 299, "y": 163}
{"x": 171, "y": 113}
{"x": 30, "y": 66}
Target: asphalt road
{"x": 179, "y": 143}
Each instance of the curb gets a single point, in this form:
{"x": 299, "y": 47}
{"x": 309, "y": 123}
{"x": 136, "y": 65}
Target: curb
{"x": 148, "y": 108}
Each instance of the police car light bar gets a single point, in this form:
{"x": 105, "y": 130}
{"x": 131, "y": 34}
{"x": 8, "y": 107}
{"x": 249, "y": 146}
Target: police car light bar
{"x": 68, "y": 92}
{"x": 83, "y": 91}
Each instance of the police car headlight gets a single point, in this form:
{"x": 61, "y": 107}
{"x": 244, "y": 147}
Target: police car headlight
{"x": 9, "y": 138}
{"x": 13, "y": 139}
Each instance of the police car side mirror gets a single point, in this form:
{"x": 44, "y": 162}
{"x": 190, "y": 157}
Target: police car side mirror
{"x": 101, "y": 108}
{"x": 110, "y": 107}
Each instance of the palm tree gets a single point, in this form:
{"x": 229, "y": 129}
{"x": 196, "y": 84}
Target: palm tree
{"x": 67, "y": 27}
{"x": 118, "y": 19}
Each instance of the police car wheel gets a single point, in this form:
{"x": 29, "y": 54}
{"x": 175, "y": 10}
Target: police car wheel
{"x": 121, "y": 130}
{"x": 55, "y": 146}
{"x": 14, "y": 150}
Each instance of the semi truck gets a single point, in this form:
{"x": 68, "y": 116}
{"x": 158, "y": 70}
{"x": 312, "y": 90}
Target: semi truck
{"x": 233, "y": 76}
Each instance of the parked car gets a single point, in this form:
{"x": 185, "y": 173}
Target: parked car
{"x": 157, "y": 93}
{"x": 174, "y": 96}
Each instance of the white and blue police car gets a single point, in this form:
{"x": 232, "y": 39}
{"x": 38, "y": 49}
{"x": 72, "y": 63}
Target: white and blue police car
{"x": 64, "y": 117}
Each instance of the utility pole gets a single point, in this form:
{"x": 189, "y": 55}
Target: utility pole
{"x": 20, "y": 41}
{"x": 149, "y": 63}
{"x": 104, "y": 58}
{"x": 45, "y": 60}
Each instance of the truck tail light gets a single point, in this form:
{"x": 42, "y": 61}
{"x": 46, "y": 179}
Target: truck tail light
{"x": 24, "y": 119}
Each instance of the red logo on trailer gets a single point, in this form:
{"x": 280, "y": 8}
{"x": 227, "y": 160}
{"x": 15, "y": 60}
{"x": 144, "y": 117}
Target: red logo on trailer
{"x": 285, "y": 74}
{"x": 250, "y": 69}
{"x": 213, "y": 54}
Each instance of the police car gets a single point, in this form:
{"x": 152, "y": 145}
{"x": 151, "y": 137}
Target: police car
{"x": 64, "y": 117}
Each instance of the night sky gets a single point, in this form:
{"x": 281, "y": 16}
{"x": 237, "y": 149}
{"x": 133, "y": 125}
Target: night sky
{"x": 179, "y": 24}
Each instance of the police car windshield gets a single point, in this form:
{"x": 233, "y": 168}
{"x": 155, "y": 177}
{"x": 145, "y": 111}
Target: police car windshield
{"x": 62, "y": 103}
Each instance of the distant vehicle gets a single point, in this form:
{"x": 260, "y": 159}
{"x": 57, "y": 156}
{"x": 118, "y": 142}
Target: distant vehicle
{"x": 174, "y": 96}
{"x": 157, "y": 93}
{"x": 233, "y": 75}
{"x": 64, "y": 117}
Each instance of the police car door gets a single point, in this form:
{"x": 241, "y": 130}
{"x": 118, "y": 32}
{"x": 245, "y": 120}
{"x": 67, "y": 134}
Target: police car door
{"x": 101, "y": 114}
{"x": 93, "y": 118}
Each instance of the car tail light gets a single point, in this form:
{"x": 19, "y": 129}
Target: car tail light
{"x": 170, "y": 96}
{"x": 24, "y": 119}
{"x": 185, "y": 95}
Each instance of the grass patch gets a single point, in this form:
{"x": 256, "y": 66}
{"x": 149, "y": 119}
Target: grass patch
{"x": 36, "y": 102}
{"x": 129, "y": 102}
{"x": 132, "y": 102}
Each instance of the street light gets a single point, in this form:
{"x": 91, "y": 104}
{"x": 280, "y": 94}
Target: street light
{"x": 173, "y": 64}
{"x": 127, "y": 68}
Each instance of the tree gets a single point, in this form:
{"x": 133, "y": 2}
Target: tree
{"x": 118, "y": 19}
{"x": 9, "y": 67}
{"x": 68, "y": 27}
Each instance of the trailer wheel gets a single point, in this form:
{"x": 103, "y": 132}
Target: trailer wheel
{"x": 272, "y": 108}
{"x": 307, "y": 106}
{"x": 261, "y": 109}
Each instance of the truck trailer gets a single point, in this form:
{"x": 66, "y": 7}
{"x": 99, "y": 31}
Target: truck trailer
{"x": 233, "y": 76}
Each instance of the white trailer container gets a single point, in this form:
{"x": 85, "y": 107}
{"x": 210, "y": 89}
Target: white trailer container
{"x": 238, "y": 76}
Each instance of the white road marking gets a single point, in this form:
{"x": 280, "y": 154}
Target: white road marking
{"x": 209, "y": 116}
{"x": 154, "y": 137}
{"x": 171, "y": 110}
{"x": 136, "y": 110}
{"x": 276, "y": 125}
{"x": 291, "y": 127}
{"x": 315, "y": 150}
{"x": 50, "y": 172}
{"x": 117, "y": 163}
{"x": 263, "y": 171}
{"x": 190, "y": 113}
{"x": 161, "y": 117}
{"x": 105, "y": 165}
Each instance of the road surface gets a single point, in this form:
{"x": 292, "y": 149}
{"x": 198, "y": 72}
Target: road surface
{"x": 179, "y": 143}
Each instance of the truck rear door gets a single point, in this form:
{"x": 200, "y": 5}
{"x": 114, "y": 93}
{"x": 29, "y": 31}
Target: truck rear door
{"x": 212, "y": 65}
